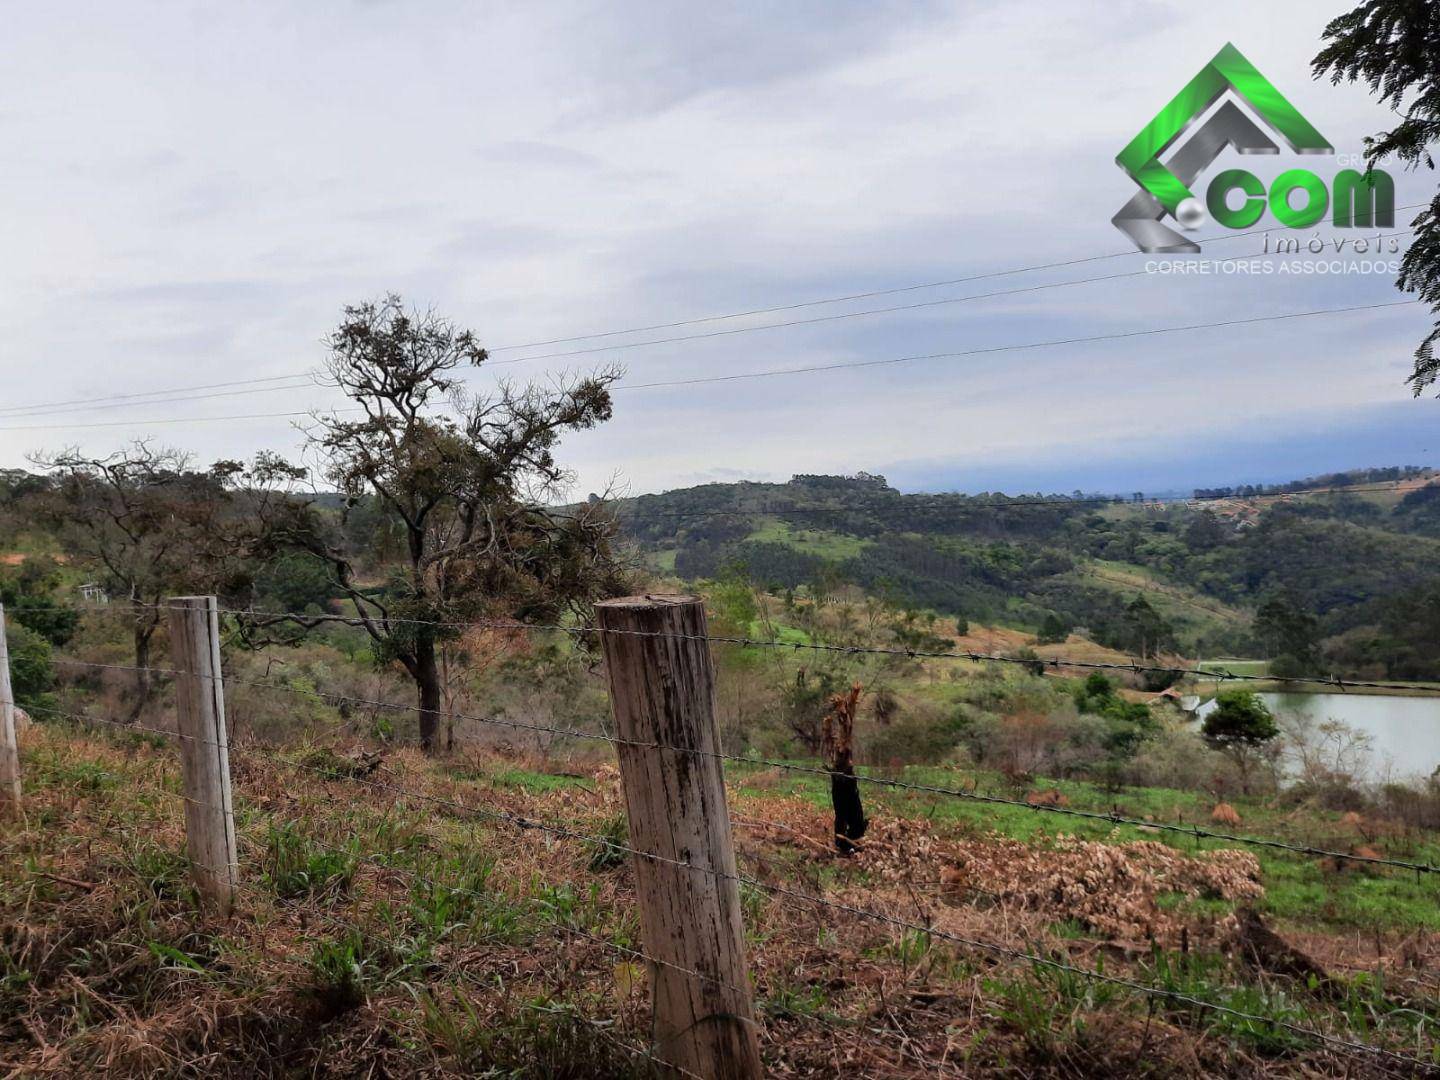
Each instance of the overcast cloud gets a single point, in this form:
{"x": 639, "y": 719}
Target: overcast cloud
{"x": 193, "y": 193}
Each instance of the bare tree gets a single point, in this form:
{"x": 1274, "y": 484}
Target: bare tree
{"x": 469, "y": 481}
{"x": 147, "y": 526}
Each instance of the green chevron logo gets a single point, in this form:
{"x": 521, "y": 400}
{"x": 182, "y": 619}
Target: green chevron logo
{"x": 1228, "y": 71}
{"x": 1165, "y": 185}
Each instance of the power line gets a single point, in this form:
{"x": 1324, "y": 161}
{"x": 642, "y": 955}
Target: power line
{"x": 1117, "y": 336}
{"x": 843, "y": 315}
{"x": 167, "y": 420}
{"x": 151, "y": 393}
{"x": 24, "y": 409}
{"x": 828, "y": 318}
{"x": 873, "y": 293}
{"x": 795, "y": 371}
{"x": 37, "y": 411}
{"x": 301, "y": 385}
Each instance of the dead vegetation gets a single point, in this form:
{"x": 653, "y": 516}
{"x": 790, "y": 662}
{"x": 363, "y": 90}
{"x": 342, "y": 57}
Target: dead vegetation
{"x": 387, "y": 934}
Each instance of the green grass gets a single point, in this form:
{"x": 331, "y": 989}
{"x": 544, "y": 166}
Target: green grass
{"x": 529, "y": 780}
{"x": 426, "y": 951}
{"x": 1298, "y": 888}
{"x": 1194, "y": 613}
{"x": 297, "y": 866}
{"x": 826, "y": 545}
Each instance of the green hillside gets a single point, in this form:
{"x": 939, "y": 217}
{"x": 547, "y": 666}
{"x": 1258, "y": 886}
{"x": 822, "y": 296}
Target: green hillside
{"x": 1341, "y": 564}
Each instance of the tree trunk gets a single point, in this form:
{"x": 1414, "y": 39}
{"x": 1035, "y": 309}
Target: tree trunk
{"x": 839, "y": 748}
{"x": 143, "y": 683}
{"x": 850, "y": 823}
{"x": 427, "y": 681}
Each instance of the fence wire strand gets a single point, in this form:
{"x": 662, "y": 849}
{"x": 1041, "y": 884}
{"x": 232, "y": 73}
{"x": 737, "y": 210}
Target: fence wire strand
{"x": 411, "y": 874}
{"x": 1113, "y": 818}
{"x": 523, "y": 824}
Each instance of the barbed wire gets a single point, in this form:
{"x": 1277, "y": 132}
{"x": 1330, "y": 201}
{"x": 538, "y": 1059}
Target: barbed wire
{"x": 416, "y": 876}
{"x": 524, "y": 823}
{"x": 1114, "y": 818}
{"x": 1134, "y": 666}
{"x": 234, "y": 881}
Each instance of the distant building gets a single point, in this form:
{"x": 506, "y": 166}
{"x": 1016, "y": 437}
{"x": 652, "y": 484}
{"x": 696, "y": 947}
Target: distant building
{"x": 93, "y": 594}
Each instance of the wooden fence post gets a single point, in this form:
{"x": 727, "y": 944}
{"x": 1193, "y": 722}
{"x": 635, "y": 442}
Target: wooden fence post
{"x": 9, "y": 743}
{"x": 662, "y": 691}
{"x": 204, "y": 747}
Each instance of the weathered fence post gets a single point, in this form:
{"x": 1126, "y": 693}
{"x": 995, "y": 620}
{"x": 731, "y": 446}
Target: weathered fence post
{"x": 9, "y": 743}
{"x": 204, "y": 747}
{"x": 662, "y": 690}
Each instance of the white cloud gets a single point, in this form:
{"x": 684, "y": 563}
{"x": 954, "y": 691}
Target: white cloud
{"x": 193, "y": 197}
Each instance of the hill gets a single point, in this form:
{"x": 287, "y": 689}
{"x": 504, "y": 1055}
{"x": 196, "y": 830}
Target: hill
{"x": 1343, "y": 550}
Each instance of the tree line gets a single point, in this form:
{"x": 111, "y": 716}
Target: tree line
{"x": 436, "y": 505}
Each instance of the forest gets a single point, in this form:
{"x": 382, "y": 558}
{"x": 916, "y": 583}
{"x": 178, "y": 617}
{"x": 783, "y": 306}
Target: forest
{"x": 1350, "y": 559}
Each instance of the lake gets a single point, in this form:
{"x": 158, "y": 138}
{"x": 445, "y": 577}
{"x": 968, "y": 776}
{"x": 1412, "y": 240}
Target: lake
{"x": 1404, "y": 731}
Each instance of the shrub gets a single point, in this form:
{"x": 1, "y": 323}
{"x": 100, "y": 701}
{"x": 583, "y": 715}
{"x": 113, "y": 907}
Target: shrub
{"x": 923, "y": 735}
{"x": 1029, "y": 743}
{"x": 1030, "y": 661}
{"x": 1053, "y": 630}
{"x": 1175, "y": 756}
{"x": 32, "y": 673}
{"x": 341, "y": 972}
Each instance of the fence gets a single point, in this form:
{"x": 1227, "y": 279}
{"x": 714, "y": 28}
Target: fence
{"x": 679, "y": 838}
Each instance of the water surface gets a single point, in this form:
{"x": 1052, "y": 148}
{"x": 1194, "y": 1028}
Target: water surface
{"x": 1404, "y": 731}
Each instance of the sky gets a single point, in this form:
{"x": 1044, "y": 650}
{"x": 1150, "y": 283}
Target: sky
{"x": 195, "y": 192}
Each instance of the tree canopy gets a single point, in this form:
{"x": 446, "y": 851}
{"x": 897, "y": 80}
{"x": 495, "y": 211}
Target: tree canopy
{"x": 1393, "y": 46}
{"x": 466, "y": 482}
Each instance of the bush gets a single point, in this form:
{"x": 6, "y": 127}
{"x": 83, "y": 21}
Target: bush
{"x": 1053, "y": 631}
{"x": 30, "y": 593}
{"x": 1176, "y": 756}
{"x": 1154, "y": 680}
{"x": 925, "y": 735}
{"x": 1129, "y": 723}
{"x": 1031, "y": 743}
{"x": 1030, "y": 661}
{"x": 32, "y": 674}
{"x": 1417, "y": 806}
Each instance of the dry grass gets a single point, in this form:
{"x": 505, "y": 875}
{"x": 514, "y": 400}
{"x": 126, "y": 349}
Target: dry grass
{"x": 345, "y": 960}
